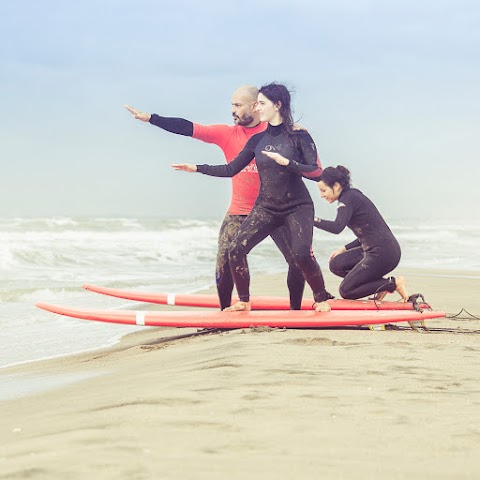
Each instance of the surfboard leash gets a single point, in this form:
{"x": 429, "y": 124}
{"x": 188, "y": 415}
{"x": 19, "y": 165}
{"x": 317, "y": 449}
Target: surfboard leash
{"x": 457, "y": 316}
{"x": 417, "y": 300}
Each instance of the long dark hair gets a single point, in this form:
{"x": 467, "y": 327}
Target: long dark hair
{"x": 340, "y": 174}
{"x": 280, "y": 96}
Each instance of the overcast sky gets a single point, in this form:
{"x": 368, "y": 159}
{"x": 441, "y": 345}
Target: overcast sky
{"x": 390, "y": 89}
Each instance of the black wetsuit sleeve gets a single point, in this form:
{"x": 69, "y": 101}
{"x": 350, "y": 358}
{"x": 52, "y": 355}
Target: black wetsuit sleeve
{"x": 180, "y": 126}
{"x": 307, "y": 163}
{"x": 344, "y": 213}
{"x": 235, "y": 166}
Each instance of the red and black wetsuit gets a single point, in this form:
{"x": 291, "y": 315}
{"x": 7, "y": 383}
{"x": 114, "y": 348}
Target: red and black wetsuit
{"x": 283, "y": 200}
{"x": 372, "y": 255}
{"x": 245, "y": 186}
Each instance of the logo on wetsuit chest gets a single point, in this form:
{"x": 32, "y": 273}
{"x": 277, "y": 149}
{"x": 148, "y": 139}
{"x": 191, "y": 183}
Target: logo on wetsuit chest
{"x": 269, "y": 148}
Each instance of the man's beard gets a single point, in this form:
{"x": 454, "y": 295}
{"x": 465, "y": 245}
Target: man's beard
{"x": 242, "y": 121}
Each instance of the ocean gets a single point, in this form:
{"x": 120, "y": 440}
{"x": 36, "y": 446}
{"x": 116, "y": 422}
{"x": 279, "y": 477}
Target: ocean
{"x": 48, "y": 260}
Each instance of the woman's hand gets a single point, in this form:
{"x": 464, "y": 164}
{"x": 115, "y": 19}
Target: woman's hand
{"x": 277, "y": 157}
{"x": 337, "y": 252}
{"x": 186, "y": 167}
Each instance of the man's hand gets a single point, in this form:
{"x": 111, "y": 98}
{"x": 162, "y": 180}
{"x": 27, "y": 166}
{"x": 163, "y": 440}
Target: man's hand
{"x": 143, "y": 116}
{"x": 185, "y": 167}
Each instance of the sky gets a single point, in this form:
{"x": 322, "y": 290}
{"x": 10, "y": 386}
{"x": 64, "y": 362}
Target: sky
{"x": 390, "y": 89}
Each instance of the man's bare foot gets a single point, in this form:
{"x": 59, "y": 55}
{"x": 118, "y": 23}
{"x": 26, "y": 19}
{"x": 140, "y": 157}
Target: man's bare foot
{"x": 239, "y": 307}
{"x": 322, "y": 307}
{"x": 401, "y": 288}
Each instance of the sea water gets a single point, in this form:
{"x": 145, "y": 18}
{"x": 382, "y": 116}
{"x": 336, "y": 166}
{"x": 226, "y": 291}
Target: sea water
{"x": 48, "y": 260}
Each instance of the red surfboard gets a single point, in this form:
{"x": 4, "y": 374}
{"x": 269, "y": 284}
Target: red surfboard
{"x": 217, "y": 319}
{"x": 258, "y": 303}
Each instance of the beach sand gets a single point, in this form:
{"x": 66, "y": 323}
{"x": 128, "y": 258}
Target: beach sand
{"x": 270, "y": 404}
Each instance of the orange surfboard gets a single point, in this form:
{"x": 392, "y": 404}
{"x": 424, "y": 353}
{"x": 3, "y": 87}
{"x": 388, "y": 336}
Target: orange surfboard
{"x": 270, "y": 318}
{"x": 258, "y": 303}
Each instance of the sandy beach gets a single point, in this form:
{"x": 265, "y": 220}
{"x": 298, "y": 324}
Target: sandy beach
{"x": 259, "y": 404}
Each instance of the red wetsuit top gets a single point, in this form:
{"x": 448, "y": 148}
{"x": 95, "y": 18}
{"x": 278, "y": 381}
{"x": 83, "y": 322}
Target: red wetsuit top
{"x": 231, "y": 139}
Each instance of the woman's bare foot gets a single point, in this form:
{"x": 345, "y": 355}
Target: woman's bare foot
{"x": 239, "y": 307}
{"x": 401, "y": 288}
{"x": 322, "y": 307}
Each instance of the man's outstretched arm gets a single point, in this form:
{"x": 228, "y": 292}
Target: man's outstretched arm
{"x": 180, "y": 126}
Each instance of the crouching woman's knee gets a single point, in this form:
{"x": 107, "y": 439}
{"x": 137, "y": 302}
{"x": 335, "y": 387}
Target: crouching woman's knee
{"x": 346, "y": 291}
{"x": 337, "y": 267}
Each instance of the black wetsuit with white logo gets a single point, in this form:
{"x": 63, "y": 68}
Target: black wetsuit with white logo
{"x": 283, "y": 200}
{"x": 372, "y": 255}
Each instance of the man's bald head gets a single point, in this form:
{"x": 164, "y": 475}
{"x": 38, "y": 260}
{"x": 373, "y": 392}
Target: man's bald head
{"x": 248, "y": 92}
{"x": 244, "y": 103}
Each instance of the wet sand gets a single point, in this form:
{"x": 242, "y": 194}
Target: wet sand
{"x": 260, "y": 404}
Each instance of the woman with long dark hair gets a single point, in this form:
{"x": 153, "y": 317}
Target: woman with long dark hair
{"x": 375, "y": 252}
{"x": 283, "y": 156}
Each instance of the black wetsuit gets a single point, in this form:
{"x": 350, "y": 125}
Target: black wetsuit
{"x": 228, "y": 231}
{"x": 223, "y": 275}
{"x": 372, "y": 255}
{"x": 283, "y": 200}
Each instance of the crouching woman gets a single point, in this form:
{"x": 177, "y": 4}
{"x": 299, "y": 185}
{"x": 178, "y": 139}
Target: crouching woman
{"x": 375, "y": 252}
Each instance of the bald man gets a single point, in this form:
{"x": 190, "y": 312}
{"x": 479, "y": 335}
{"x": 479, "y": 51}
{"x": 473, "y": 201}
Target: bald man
{"x": 245, "y": 185}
